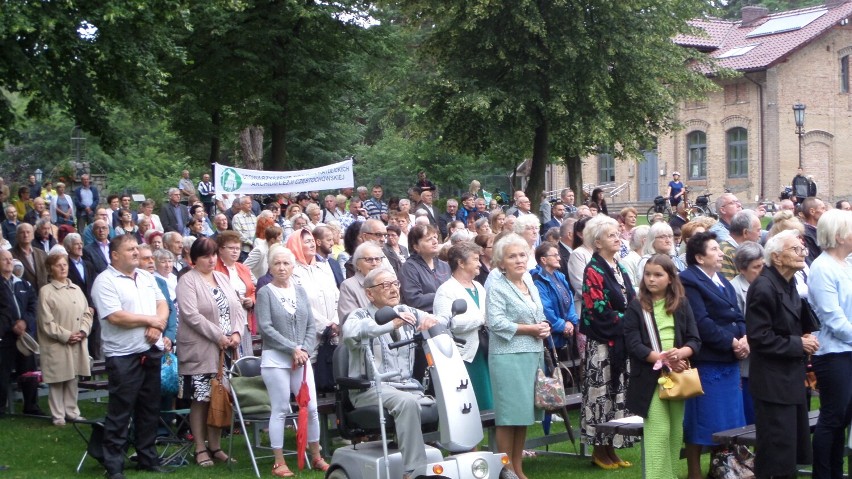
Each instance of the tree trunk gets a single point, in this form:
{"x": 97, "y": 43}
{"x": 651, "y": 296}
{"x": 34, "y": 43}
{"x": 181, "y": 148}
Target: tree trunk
{"x": 251, "y": 147}
{"x": 538, "y": 166}
{"x": 215, "y": 139}
{"x": 574, "y": 167}
{"x": 278, "y": 151}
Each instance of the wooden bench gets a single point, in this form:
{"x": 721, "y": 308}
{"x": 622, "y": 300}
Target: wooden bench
{"x": 633, "y": 426}
{"x": 747, "y": 436}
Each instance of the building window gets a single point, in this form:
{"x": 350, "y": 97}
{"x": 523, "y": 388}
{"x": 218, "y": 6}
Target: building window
{"x": 697, "y": 155}
{"x": 844, "y": 74}
{"x": 737, "y": 153}
{"x": 606, "y": 166}
{"x": 736, "y": 93}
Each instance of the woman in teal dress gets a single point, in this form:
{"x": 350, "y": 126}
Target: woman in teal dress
{"x": 662, "y": 299}
{"x": 464, "y": 264}
{"x": 517, "y": 326}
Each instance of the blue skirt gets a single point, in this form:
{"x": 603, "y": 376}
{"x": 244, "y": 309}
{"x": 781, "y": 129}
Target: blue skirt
{"x": 721, "y": 406}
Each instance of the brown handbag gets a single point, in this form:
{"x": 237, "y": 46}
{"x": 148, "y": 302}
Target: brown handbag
{"x": 221, "y": 411}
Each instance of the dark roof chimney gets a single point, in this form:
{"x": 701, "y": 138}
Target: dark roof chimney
{"x": 752, "y": 13}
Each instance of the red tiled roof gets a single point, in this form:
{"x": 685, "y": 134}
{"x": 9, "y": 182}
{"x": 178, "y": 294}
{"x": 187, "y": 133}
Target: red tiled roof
{"x": 723, "y": 35}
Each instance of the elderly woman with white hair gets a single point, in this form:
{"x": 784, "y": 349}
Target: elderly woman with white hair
{"x": 638, "y": 235}
{"x": 286, "y": 324}
{"x": 779, "y": 335}
{"x": 607, "y": 291}
{"x": 660, "y": 240}
{"x": 831, "y": 299}
{"x": 367, "y": 257}
{"x": 517, "y": 326}
{"x": 528, "y": 227}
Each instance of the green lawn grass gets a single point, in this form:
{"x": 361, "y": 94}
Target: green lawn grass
{"x": 34, "y": 448}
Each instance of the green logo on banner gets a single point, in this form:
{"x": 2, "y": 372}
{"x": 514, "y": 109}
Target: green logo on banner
{"x": 230, "y": 180}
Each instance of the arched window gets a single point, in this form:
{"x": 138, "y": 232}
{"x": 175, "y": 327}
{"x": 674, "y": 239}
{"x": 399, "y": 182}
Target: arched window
{"x": 696, "y": 162}
{"x": 737, "y": 141}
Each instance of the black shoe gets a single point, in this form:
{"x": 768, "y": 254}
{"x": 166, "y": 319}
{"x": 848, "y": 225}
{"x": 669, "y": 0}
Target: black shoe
{"x": 34, "y": 412}
{"x": 155, "y": 468}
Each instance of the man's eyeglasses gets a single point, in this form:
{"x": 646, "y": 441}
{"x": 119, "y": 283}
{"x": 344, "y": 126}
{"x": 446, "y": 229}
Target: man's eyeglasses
{"x": 386, "y": 285}
{"x": 383, "y": 235}
{"x": 374, "y": 259}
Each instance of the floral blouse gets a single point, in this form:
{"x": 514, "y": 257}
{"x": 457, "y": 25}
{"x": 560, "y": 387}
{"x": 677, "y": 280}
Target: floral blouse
{"x": 606, "y": 294}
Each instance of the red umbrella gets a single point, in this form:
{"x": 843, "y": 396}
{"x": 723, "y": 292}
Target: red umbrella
{"x": 302, "y": 399}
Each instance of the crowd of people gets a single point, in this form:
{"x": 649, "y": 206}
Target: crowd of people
{"x": 116, "y": 281}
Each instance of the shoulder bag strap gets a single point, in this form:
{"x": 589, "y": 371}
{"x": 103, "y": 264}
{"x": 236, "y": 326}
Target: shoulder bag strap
{"x": 652, "y": 331}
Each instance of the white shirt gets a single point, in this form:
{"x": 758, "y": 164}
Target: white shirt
{"x": 114, "y": 291}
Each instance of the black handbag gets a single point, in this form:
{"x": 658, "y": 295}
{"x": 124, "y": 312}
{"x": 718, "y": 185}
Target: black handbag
{"x": 483, "y": 340}
{"x": 810, "y": 321}
{"x": 323, "y": 370}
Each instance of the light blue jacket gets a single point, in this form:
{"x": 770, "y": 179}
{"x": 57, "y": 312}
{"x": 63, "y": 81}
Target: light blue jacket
{"x": 507, "y": 308}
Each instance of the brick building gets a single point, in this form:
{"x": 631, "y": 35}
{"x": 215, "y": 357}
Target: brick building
{"x": 743, "y": 136}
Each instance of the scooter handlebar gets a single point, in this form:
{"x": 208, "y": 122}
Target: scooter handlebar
{"x": 405, "y": 342}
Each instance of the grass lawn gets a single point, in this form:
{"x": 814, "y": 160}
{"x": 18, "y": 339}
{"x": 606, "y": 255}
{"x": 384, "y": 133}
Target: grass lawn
{"x": 34, "y": 448}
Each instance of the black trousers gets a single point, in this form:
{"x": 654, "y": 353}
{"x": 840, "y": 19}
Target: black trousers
{"x": 835, "y": 413}
{"x": 134, "y": 390}
{"x": 783, "y": 438}
{"x": 11, "y": 359}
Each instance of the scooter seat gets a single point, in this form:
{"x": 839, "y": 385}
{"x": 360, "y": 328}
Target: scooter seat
{"x": 367, "y": 418}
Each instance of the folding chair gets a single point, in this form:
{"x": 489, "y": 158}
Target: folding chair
{"x": 251, "y": 405}
{"x": 172, "y": 444}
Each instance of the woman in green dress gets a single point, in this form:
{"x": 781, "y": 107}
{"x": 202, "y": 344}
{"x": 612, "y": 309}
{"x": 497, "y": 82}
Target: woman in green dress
{"x": 464, "y": 264}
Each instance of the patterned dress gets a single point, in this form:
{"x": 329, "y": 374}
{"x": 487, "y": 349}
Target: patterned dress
{"x": 197, "y": 386}
{"x": 606, "y": 293}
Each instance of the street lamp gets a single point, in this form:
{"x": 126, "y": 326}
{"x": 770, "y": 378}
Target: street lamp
{"x": 39, "y": 175}
{"x": 799, "y": 116}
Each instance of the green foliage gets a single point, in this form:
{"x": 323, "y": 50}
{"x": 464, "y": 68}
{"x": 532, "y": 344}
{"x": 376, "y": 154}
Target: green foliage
{"x": 526, "y": 78}
{"x": 85, "y": 57}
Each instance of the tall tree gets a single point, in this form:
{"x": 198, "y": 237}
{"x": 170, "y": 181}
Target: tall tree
{"x": 284, "y": 64}
{"x": 538, "y": 77}
{"x": 86, "y": 56}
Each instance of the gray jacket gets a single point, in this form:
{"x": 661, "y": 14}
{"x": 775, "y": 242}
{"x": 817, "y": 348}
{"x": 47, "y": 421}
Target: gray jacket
{"x": 281, "y": 330}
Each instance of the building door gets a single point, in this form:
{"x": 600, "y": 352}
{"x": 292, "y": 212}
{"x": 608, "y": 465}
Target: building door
{"x": 649, "y": 184}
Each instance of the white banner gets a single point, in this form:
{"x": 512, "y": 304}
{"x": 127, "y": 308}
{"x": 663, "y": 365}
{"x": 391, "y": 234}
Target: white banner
{"x": 248, "y": 182}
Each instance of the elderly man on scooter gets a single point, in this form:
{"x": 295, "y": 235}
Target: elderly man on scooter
{"x": 402, "y": 397}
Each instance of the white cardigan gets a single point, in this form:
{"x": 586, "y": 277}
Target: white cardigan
{"x": 465, "y": 326}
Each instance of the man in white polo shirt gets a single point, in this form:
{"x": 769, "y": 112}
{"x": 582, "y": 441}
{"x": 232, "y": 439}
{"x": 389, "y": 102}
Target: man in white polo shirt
{"x": 133, "y": 314}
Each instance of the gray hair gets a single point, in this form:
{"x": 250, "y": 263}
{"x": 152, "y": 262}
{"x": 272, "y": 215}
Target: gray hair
{"x": 461, "y": 252}
{"x": 41, "y": 222}
{"x": 187, "y": 241}
{"x": 511, "y": 239}
{"x": 452, "y": 201}
{"x": 746, "y": 253}
{"x": 595, "y": 228}
{"x": 742, "y": 221}
{"x": 361, "y": 189}
{"x": 657, "y": 229}
{"x": 170, "y": 236}
{"x": 71, "y": 238}
{"x": 173, "y": 191}
{"x": 163, "y": 254}
{"x": 639, "y": 237}
{"x": 523, "y": 221}
{"x": 361, "y": 250}
{"x": 552, "y": 235}
{"x": 775, "y": 244}
{"x": 370, "y": 279}
{"x": 277, "y": 250}
{"x": 481, "y": 222}
{"x": 833, "y": 224}
{"x": 406, "y": 201}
